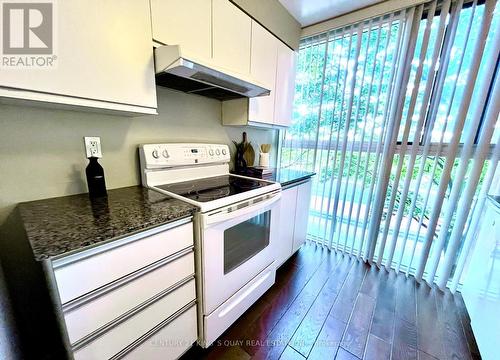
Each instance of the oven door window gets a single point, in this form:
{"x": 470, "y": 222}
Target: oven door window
{"x": 243, "y": 241}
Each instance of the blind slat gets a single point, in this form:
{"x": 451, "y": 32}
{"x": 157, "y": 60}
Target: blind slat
{"x": 459, "y": 124}
{"x": 351, "y": 152}
{"x": 478, "y": 210}
{"x": 344, "y": 144}
{"x": 466, "y": 199}
{"x": 338, "y": 131}
{"x": 464, "y": 161}
{"x": 413, "y": 156}
{"x": 344, "y": 85}
{"x": 365, "y": 122}
{"x": 322, "y": 222}
{"x": 406, "y": 133}
{"x": 409, "y": 42}
{"x": 381, "y": 139}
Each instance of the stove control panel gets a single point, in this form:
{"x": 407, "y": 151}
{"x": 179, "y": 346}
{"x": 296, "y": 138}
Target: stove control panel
{"x": 182, "y": 154}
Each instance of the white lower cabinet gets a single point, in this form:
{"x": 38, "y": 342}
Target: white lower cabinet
{"x": 134, "y": 297}
{"x": 96, "y": 313}
{"x": 287, "y": 216}
{"x": 114, "y": 262}
{"x": 170, "y": 342}
{"x": 294, "y": 213}
{"x": 124, "y": 334}
{"x": 301, "y": 214}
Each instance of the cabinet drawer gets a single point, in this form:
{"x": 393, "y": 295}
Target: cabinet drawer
{"x": 131, "y": 330}
{"x": 226, "y": 314}
{"x": 80, "y": 277}
{"x": 169, "y": 342}
{"x": 88, "y": 315}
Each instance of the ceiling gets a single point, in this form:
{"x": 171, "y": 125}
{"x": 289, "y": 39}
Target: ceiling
{"x": 309, "y": 12}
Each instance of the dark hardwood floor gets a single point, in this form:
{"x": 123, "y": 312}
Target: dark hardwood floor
{"x": 327, "y": 305}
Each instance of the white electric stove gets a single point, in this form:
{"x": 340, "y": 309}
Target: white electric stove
{"x": 236, "y": 227}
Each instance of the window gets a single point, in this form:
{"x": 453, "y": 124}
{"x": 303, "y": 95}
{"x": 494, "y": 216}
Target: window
{"x": 382, "y": 115}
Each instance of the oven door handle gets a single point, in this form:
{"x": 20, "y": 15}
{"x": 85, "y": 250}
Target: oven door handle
{"x": 216, "y": 218}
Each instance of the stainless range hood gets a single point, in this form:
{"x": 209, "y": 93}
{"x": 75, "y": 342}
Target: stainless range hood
{"x": 179, "y": 71}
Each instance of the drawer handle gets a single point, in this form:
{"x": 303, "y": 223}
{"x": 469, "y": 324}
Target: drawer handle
{"x": 105, "y": 328}
{"x": 86, "y": 298}
{"x": 153, "y": 331}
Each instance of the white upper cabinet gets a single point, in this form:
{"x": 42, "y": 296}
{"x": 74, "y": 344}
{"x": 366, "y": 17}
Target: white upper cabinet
{"x": 263, "y": 69}
{"x": 104, "y": 59}
{"x": 263, "y": 55}
{"x": 231, "y": 31}
{"x": 184, "y": 22}
{"x": 285, "y": 85}
{"x": 272, "y": 64}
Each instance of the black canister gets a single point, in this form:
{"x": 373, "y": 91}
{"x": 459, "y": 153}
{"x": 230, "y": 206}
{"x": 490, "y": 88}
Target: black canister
{"x": 95, "y": 178}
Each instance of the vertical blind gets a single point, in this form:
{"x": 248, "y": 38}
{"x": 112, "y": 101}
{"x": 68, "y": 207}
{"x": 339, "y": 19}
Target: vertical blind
{"x": 397, "y": 116}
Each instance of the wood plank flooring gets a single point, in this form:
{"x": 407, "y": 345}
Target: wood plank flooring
{"x": 326, "y": 305}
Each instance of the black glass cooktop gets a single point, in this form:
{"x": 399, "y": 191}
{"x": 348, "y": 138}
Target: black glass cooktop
{"x": 213, "y": 188}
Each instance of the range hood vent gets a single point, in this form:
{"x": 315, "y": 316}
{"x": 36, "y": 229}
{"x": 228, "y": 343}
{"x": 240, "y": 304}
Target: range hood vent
{"x": 175, "y": 71}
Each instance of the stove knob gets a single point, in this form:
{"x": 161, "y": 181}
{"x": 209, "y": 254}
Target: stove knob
{"x": 217, "y": 152}
{"x": 211, "y": 152}
{"x": 224, "y": 152}
{"x": 165, "y": 154}
{"x": 155, "y": 154}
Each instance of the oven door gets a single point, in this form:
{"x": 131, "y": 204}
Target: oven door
{"x": 238, "y": 243}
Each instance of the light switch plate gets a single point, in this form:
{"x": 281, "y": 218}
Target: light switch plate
{"x": 93, "y": 146}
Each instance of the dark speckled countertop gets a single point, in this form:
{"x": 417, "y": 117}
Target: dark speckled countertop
{"x": 495, "y": 200}
{"x": 59, "y": 225}
{"x": 287, "y": 177}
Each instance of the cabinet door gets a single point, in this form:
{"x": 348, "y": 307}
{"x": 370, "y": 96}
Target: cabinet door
{"x": 184, "y": 22}
{"x": 104, "y": 52}
{"x": 287, "y": 221}
{"x": 263, "y": 69}
{"x": 231, "y": 37}
{"x": 285, "y": 85}
{"x": 301, "y": 214}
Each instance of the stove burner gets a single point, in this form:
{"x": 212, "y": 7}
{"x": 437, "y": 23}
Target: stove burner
{"x": 207, "y": 195}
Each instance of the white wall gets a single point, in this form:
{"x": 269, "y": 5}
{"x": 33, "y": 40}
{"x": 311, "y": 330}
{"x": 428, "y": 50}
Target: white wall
{"x": 41, "y": 150}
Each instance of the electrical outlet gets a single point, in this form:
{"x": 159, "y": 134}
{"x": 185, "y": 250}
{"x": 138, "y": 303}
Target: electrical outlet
{"x": 93, "y": 146}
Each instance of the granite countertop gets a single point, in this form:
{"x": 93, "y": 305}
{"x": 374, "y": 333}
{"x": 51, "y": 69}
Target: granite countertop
{"x": 287, "y": 177}
{"x": 60, "y": 225}
{"x": 495, "y": 200}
